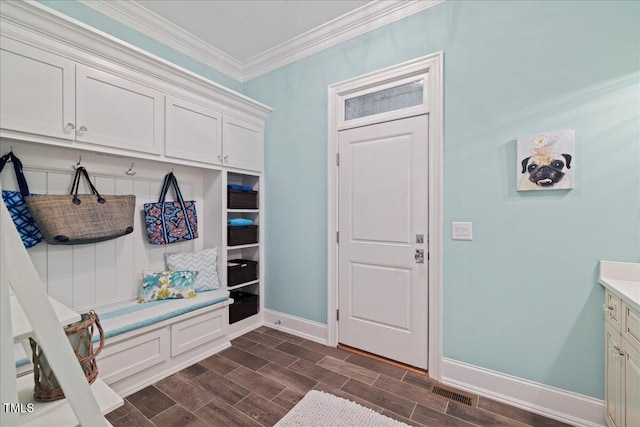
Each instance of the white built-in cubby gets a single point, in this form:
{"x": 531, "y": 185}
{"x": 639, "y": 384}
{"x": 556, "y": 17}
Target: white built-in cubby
{"x": 252, "y": 251}
{"x": 73, "y": 95}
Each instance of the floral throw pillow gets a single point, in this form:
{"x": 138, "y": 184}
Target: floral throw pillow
{"x": 167, "y": 285}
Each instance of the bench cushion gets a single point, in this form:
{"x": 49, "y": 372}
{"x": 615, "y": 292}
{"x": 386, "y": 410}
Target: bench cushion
{"x": 20, "y": 356}
{"x": 116, "y": 320}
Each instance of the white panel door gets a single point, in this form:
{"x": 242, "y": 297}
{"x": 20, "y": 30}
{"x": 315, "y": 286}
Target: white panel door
{"x": 193, "y": 132}
{"x": 242, "y": 144}
{"x": 383, "y": 197}
{"x": 119, "y": 113}
{"x": 38, "y": 91}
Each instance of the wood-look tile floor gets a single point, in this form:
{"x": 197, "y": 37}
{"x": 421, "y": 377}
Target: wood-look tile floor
{"x": 266, "y": 372}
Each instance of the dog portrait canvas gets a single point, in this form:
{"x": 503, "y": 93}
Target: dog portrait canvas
{"x": 546, "y": 161}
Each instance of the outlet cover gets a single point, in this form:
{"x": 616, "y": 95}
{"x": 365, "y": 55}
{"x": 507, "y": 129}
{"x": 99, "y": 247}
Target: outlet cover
{"x": 461, "y": 231}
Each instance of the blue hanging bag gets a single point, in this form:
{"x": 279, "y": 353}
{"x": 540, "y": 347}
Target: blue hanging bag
{"x": 24, "y": 222}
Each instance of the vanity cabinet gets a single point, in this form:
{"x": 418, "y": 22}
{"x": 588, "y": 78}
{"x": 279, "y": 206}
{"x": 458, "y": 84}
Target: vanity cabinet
{"x": 622, "y": 362}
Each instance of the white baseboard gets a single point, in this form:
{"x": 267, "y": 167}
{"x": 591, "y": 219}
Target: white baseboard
{"x": 562, "y": 405}
{"x": 303, "y": 328}
{"x": 250, "y": 327}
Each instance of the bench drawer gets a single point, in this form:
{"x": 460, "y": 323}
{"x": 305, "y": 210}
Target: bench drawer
{"x": 631, "y": 325}
{"x": 613, "y": 309}
{"x": 197, "y": 330}
{"x": 130, "y": 356}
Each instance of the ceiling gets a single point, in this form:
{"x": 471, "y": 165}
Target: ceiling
{"x": 244, "y": 28}
{"x": 247, "y": 38}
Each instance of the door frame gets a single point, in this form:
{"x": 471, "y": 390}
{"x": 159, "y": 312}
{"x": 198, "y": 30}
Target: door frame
{"x": 431, "y": 67}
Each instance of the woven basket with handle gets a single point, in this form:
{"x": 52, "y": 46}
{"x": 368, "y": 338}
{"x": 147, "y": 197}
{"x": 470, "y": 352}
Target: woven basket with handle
{"x": 80, "y": 337}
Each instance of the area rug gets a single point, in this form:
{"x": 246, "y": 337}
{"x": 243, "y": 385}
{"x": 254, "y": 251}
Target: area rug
{"x": 320, "y": 409}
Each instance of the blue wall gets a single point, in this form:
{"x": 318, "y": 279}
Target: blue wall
{"x": 521, "y": 298}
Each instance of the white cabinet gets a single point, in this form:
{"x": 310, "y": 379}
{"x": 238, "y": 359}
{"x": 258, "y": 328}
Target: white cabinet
{"x": 52, "y": 99}
{"x": 115, "y": 112}
{"x": 632, "y": 383}
{"x": 193, "y": 132}
{"x": 622, "y": 362}
{"x": 201, "y": 134}
{"x": 48, "y": 95}
{"x": 243, "y": 146}
{"x": 614, "y": 372}
{"x": 38, "y": 91}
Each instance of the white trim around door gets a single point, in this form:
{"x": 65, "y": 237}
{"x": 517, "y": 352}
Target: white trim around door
{"x": 431, "y": 68}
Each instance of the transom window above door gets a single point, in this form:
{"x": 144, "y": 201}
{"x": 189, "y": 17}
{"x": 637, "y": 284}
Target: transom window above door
{"x": 386, "y": 100}
{"x": 399, "y": 96}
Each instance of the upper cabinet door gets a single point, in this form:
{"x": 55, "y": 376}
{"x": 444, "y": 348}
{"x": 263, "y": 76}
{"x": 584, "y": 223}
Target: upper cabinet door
{"x": 242, "y": 144}
{"x": 193, "y": 132}
{"x": 38, "y": 91}
{"x": 118, "y": 113}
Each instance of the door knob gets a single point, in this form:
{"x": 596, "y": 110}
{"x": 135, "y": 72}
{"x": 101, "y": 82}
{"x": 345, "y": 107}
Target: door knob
{"x": 419, "y": 256}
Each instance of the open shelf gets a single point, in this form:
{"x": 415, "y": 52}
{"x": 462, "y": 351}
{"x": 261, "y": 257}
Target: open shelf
{"x": 59, "y": 412}
{"x": 242, "y": 285}
{"x": 251, "y": 245}
{"x": 243, "y": 210}
{"x": 20, "y": 324}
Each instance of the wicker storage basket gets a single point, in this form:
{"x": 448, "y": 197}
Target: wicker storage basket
{"x": 80, "y": 336}
{"x": 241, "y": 271}
{"x": 244, "y": 305}
{"x": 237, "y": 199}
{"x": 242, "y": 235}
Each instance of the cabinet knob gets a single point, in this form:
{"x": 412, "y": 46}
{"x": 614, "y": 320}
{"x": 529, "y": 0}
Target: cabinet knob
{"x": 226, "y": 159}
{"x": 617, "y": 349}
{"x": 83, "y": 129}
{"x": 70, "y": 126}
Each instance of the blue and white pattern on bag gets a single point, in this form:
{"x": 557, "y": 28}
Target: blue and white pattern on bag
{"x": 24, "y": 222}
{"x": 16, "y": 205}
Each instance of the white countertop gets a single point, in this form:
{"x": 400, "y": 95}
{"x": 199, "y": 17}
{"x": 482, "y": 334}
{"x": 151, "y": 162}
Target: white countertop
{"x": 623, "y": 280}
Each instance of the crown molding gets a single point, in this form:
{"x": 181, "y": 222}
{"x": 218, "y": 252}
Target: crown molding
{"x": 353, "y": 24}
{"x": 149, "y": 23}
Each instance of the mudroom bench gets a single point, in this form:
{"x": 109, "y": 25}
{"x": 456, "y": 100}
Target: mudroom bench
{"x": 147, "y": 342}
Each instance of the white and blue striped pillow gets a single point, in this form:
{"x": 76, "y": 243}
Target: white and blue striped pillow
{"x": 204, "y": 262}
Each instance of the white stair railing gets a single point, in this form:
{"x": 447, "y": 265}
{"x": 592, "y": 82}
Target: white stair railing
{"x": 19, "y": 272}
{"x": 8, "y": 387}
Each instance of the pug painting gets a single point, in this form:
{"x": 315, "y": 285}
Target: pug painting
{"x": 545, "y": 161}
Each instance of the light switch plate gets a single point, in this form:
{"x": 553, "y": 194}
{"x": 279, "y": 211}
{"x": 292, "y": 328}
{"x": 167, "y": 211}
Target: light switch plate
{"x": 461, "y": 231}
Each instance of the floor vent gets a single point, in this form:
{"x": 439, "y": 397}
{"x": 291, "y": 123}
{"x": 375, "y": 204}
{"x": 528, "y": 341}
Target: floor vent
{"x": 456, "y": 396}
